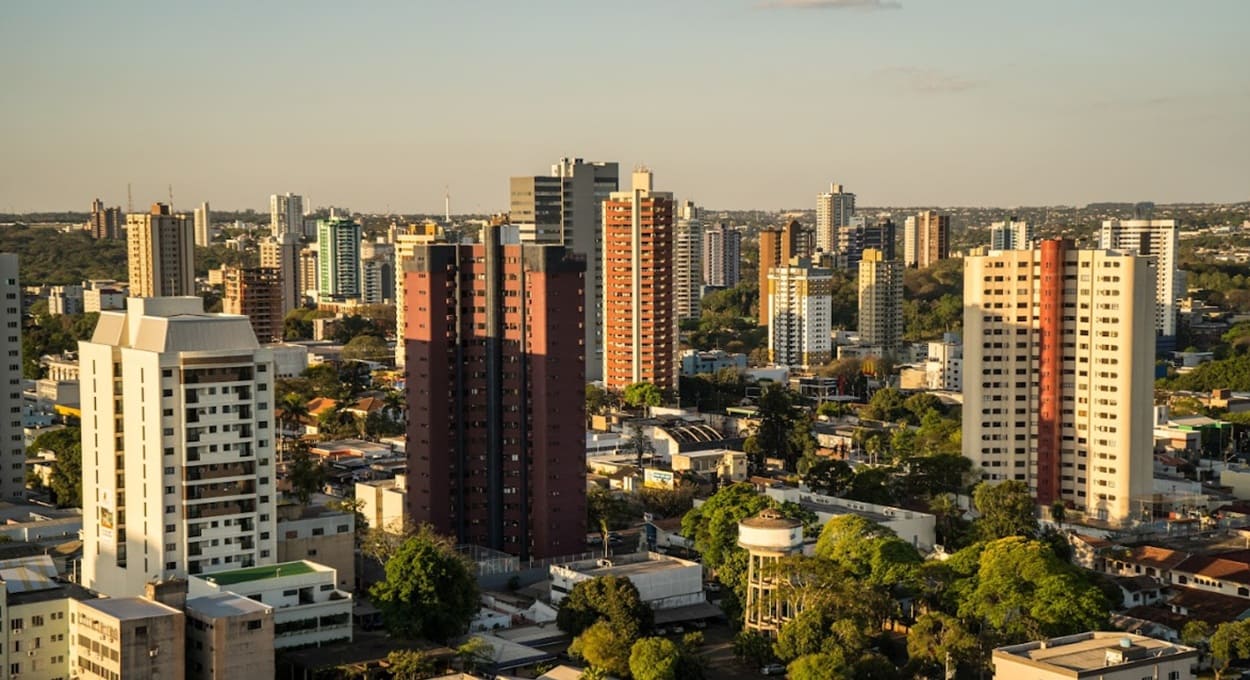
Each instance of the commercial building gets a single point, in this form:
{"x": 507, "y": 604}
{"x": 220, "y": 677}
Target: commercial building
{"x": 566, "y": 208}
{"x": 694, "y": 362}
{"x": 663, "y": 581}
{"x": 406, "y": 242}
{"x": 801, "y": 305}
{"x": 282, "y": 253}
{"x": 228, "y": 637}
{"x": 1159, "y": 241}
{"x": 1011, "y": 234}
{"x": 160, "y": 250}
{"x": 859, "y": 236}
{"x": 308, "y": 608}
{"x": 720, "y": 464}
{"x": 640, "y": 332}
{"x": 12, "y": 451}
{"x": 104, "y": 222}
{"x": 1058, "y": 382}
{"x": 834, "y": 209}
{"x": 687, "y": 261}
{"x": 926, "y": 238}
{"x": 777, "y": 247}
{"x": 286, "y": 214}
{"x": 178, "y": 431}
{"x": 1097, "y": 656}
{"x": 880, "y": 301}
{"x": 384, "y": 503}
{"x": 722, "y": 256}
{"x": 319, "y": 534}
{"x": 338, "y": 260}
{"x": 495, "y": 393}
{"x": 203, "y": 225}
{"x": 126, "y": 637}
{"x": 255, "y": 292}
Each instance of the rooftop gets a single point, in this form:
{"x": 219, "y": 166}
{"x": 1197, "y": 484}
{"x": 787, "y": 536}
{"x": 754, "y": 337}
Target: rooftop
{"x": 128, "y": 608}
{"x": 1230, "y": 566}
{"x": 628, "y": 565}
{"x": 1090, "y": 651}
{"x": 224, "y": 605}
{"x": 228, "y": 578}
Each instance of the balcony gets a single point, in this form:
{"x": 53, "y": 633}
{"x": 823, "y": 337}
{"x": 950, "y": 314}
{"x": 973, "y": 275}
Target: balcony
{"x": 209, "y": 491}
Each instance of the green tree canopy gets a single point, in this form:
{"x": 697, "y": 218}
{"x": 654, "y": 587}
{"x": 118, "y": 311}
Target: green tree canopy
{"x": 66, "y": 479}
{"x": 654, "y": 658}
{"x": 867, "y": 551}
{"x": 1230, "y": 642}
{"x": 367, "y": 348}
{"x": 612, "y": 599}
{"x": 1006, "y": 509}
{"x": 936, "y": 637}
{"x": 605, "y": 647}
{"x": 641, "y": 394}
{"x": 429, "y": 591}
{"x": 410, "y": 664}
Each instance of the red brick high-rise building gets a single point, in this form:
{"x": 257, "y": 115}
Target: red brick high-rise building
{"x": 639, "y": 318}
{"x": 255, "y": 292}
{"x": 496, "y": 393}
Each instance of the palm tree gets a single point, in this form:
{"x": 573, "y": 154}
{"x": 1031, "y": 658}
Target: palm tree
{"x": 292, "y": 412}
{"x": 395, "y": 404}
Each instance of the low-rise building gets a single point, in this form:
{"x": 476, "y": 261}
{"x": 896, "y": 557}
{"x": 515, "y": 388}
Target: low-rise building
{"x": 384, "y": 502}
{"x": 126, "y": 637}
{"x": 695, "y": 362}
{"x": 913, "y": 526}
{"x": 663, "y": 582}
{"x": 723, "y": 464}
{"x": 1101, "y": 655}
{"x": 228, "y": 637}
{"x": 35, "y": 638}
{"x": 319, "y": 534}
{"x": 307, "y": 607}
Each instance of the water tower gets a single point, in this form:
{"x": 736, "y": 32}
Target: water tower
{"x": 767, "y": 537}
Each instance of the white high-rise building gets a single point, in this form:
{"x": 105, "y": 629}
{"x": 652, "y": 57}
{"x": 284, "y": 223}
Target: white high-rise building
{"x": 12, "y": 450}
{"x": 177, "y": 445}
{"x": 687, "y": 260}
{"x": 880, "y": 301}
{"x": 1058, "y": 375}
{"x": 911, "y": 238}
{"x": 722, "y": 256}
{"x": 1011, "y": 234}
{"x": 1158, "y": 240}
{"x": 203, "y": 225}
{"x": 286, "y": 214}
{"x": 801, "y": 309}
{"x": 834, "y": 210}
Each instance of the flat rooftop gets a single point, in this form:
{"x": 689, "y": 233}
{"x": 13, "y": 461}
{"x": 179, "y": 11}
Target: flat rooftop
{"x": 127, "y": 608}
{"x": 228, "y": 578}
{"x": 631, "y": 565}
{"x": 225, "y": 605}
{"x": 1088, "y": 651}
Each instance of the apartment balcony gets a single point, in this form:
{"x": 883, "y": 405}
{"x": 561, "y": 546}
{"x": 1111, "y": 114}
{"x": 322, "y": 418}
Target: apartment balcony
{"x": 211, "y": 491}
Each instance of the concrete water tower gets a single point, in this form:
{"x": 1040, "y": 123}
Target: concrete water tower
{"x": 767, "y": 537}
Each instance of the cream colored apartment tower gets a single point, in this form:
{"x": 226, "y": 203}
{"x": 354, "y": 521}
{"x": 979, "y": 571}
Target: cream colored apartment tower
{"x": 801, "y": 307}
{"x": 1058, "y": 375}
{"x": 178, "y": 445}
{"x": 880, "y": 301}
{"x": 160, "y": 253}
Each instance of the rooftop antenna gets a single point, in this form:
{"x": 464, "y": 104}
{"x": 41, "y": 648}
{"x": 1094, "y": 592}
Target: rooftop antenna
{"x": 447, "y": 203}
{"x": 171, "y": 199}
{"x": 130, "y": 201}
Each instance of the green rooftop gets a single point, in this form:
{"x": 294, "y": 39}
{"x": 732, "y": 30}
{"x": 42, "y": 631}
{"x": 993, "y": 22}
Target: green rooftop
{"x": 229, "y": 578}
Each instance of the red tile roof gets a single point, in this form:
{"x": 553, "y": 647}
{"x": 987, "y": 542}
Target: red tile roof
{"x": 1213, "y": 608}
{"x": 1230, "y": 566}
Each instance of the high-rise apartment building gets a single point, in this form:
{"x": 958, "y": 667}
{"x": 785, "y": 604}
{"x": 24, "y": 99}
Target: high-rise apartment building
{"x": 1058, "y": 381}
{"x": 1158, "y": 240}
{"x": 687, "y": 260}
{"x": 496, "y": 393}
{"x": 722, "y": 256}
{"x": 926, "y": 238}
{"x": 12, "y": 449}
{"x": 286, "y": 214}
{"x": 640, "y": 341}
{"x": 567, "y": 207}
{"x": 777, "y": 247}
{"x": 255, "y": 292}
{"x": 1011, "y": 234}
{"x": 801, "y": 305}
{"x": 309, "y": 271}
{"x": 859, "y": 236}
{"x": 282, "y": 253}
{"x": 104, "y": 222}
{"x": 338, "y": 260}
{"x": 880, "y": 301}
{"x": 407, "y": 241}
{"x": 377, "y": 272}
{"x": 178, "y": 445}
{"x": 160, "y": 253}
{"x": 203, "y": 225}
{"x": 834, "y": 210}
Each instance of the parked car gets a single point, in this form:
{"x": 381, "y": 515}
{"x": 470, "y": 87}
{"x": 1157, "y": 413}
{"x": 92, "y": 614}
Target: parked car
{"x": 772, "y": 669}
{"x": 677, "y": 630}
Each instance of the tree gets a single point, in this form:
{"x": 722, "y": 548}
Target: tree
{"x": 612, "y": 599}
{"x": 640, "y": 394}
{"x": 713, "y": 527}
{"x": 366, "y": 348}
{"x": 654, "y": 658}
{"x": 1229, "y": 643}
{"x": 474, "y": 655}
{"x": 640, "y": 443}
{"x": 887, "y": 404}
{"x": 937, "y": 638}
{"x": 1058, "y": 512}
{"x": 829, "y": 476}
{"x": 604, "y": 646}
{"x": 818, "y": 667}
{"x": 410, "y": 664}
{"x": 66, "y": 479}
{"x": 596, "y": 399}
{"x": 753, "y": 647}
{"x": 782, "y": 432}
{"x": 429, "y": 591}
{"x": 304, "y": 473}
{"x": 1006, "y": 509}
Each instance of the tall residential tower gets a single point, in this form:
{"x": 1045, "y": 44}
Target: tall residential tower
{"x": 1157, "y": 240}
{"x": 160, "y": 253}
{"x": 12, "y": 450}
{"x": 834, "y": 210}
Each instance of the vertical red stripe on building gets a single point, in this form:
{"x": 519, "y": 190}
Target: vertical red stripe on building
{"x": 1050, "y": 371}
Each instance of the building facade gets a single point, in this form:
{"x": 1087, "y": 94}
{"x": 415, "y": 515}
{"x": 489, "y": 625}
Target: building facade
{"x": 282, "y": 253}
{"x": 286, "y": 214}
{"x": 160, "y": 253}
{"x": 377, "y": 272}
{"x": 926, "y": 238}
{"x": 203, "y": 225}
{"x": 722, "y": 256}
{"x": 859, "y": 236}
{"x": 178, "y": 431}
{"x": 777, "y": 247}
{"x": 104, "y": 222}
{"x": 12, "y": 450}
{"x": 687, "y": 261}
{"x": 880, "y": 301}
{"x": 1158, "y": 240}
{"x": 1058, "y": 383}
{"x": 496, "y": 394}
{"x": 126, "y": 637}
{"x": 1011, "y": 234}
{"x": 801, "y": 303}
{"x": 406, "y": 244}
{"x": 338, "y": 260}
{"x": 307, "y": 607}
{"x": 834, "y": 209}
{"x": 255, "y": 292}
{"x": 228, "y": 637}
{"x": 640, "y": 331}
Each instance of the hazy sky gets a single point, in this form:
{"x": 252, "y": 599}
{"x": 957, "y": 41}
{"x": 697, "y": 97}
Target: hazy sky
{"x": 732, "y": 103}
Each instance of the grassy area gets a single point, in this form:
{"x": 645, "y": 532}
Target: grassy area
{"x": 227, "y": 578}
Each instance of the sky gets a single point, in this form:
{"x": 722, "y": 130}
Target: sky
{"x": 734, "y": 104}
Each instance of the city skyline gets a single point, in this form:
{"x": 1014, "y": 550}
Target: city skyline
{"x": 383, "y": 109}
